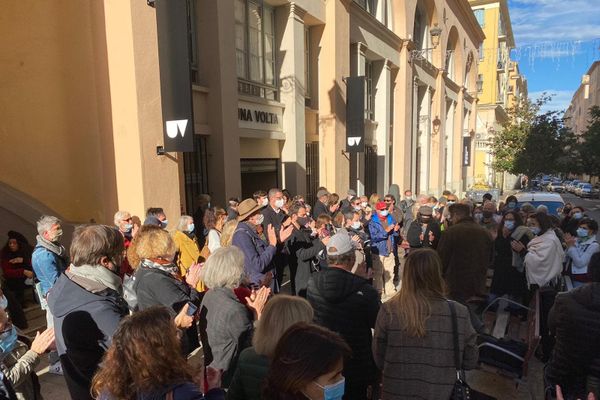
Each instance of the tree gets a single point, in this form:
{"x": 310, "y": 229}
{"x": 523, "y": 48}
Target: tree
{"x": 588, "y": 145}
{"x": 531, "y": 142}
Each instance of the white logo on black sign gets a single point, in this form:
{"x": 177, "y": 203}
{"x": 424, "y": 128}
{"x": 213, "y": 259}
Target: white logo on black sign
{"x": 176, "y": 126}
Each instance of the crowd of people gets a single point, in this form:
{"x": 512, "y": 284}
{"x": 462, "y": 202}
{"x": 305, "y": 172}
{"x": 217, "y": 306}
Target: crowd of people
{"x": 383, "y": 292}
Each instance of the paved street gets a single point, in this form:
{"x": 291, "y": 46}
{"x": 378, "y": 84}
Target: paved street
{"x": 591, "y": 207}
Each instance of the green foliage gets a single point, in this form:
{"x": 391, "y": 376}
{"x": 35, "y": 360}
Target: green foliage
{"x": 588, "y": 146}
{"x": 531, "y": 143}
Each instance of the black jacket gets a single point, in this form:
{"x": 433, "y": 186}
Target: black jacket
{"x": 84, "y": 323}
{"x": 575, "y": 321}
{"x": 303, "y": 250}
{"x": 272, "y": 218}
{"x": 348, "y": 304}
{"x": 320, "y": 209}
{"x": 155, "y": 287}
{"x": 414, "y": 234}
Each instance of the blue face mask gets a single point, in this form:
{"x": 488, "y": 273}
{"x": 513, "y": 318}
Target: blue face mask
{"x": 3, "y": 302}
{"x": 582, "y": 232}
{"x": 511, "y": 204}
{"x": 335, "y": 391}
{"x": 191, "y": 227}
{"x": 510, "y": 225}
{"x": 578, "y": 215}
{"x": 8, "y": 341}
{"x": 536, "y": 230}
{"x": 164, "y": 224}
{"x": 128, "y": 227}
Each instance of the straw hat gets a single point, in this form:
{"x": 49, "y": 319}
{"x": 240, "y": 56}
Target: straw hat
{"x": 247, "y": 208}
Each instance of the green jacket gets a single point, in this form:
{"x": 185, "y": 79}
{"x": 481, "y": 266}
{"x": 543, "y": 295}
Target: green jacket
{"x": 249, "y": 375}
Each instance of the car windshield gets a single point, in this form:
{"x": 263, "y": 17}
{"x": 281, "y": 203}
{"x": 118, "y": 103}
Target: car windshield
{"x": 553, "y": 206}
{"x": 587, "y": 186}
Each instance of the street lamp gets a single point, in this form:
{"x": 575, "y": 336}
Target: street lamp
{"x": 479, "y": 84}
{"x": 435, "y": 33}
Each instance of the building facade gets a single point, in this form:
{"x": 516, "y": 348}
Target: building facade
{"x": 82, "y": 89}
{"x": 495, "y": 77}
{"x": 577, "y": 115}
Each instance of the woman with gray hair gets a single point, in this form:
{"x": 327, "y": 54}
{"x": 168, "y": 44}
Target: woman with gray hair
{"x": 227, "y": 322}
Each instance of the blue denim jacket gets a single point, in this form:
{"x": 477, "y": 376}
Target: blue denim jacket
{"x": 47, "y": 267}
{"x": 379, "y": 236}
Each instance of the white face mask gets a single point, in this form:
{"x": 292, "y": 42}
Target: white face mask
{"x": 384, "y": 213}
{"x": 265, "y": 201}
{"x": 364, "y": 204}
{"x": 260, "y": 219}
{"x": 279, "y": 203}
{"x": 356, "y": 225}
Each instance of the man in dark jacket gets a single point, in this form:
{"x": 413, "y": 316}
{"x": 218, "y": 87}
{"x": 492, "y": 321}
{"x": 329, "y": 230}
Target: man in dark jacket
{"x": 275, "y": 216}
{"x": 346, "y": 204}
{"x": 425, "y": 231}
{"x": 322, "y": 205}
{"x": 303, "y": 249}
{"x": 347, "y": 304}
{"x": 465, "y": 250}
{"x": 258, "y": 255}
{"x": 87, "y": 305}
{"x": 575, "y": 321}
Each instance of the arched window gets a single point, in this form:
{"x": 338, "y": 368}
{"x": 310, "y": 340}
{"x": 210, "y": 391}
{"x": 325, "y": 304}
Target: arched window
{"x": 421, "y": 31}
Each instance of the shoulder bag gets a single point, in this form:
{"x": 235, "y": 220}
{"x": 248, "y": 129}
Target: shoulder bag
{"x": 461, "y": 390}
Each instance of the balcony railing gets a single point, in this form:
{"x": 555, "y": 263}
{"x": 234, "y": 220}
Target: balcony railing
{"x": 256, "y": 89}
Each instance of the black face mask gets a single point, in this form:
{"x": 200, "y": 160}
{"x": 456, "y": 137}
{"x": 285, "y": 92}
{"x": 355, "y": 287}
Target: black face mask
{"x": 566, "y": 211}
{"x": 425, "y": 220}
{"x": 303, "y": 221}
{"x": 488, "y": 214}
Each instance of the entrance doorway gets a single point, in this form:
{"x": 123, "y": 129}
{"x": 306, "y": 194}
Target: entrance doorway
{"x": 259, "y": 174}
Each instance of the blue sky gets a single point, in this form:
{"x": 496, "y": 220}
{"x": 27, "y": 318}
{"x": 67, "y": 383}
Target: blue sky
{"x": 557, "y": 41}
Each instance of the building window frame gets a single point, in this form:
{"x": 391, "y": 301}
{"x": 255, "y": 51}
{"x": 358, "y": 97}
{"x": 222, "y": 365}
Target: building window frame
{"x": 369, "y": 96}
{"x": 265, "y": 84}
{"x": 193, "y": 42}
{"x": 480, "y": 83}
{"x": 307, "y": 62}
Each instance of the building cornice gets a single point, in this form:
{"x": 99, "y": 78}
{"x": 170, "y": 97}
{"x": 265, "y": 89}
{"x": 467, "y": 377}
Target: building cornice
{"x": 375, "y": 26}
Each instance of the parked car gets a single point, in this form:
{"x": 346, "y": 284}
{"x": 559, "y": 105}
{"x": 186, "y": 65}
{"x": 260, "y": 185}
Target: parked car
{"x": 585, "y": 190}
{"x": 553, "y": 201}
{"x": 573, "y": 186}
{"x": 556, "y": 187}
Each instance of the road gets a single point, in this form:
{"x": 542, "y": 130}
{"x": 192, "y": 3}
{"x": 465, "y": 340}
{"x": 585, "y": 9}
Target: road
{"x": 591, "y": 207}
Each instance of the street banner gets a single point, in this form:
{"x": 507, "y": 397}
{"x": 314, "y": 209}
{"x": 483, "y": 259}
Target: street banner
{"x": 175, "y": 82}
{"x": 355, "y": 114}
{"x": 466, "y": 151}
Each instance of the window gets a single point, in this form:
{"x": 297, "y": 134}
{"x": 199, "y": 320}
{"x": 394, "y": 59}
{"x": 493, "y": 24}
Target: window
{"x": 369, "y": 101}
{"x": 480, "y": 15}
{"x": 481, "y": 52}
{"x": 450, "y": 64}
{"x": 307, "y": 82}
{"x": 501, "y": 29}
{"x": 255, "y": 48}
{"x": 480, "y": 83}
{"x": 193, "y": 41}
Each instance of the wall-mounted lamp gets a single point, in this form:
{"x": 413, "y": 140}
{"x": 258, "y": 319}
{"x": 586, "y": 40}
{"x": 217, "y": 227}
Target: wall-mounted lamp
{"x": 435, "y": 33}
{"x": 437, "y": 123}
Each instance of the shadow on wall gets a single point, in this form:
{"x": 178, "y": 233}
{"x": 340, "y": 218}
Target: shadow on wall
{"x": 19, "y": 212}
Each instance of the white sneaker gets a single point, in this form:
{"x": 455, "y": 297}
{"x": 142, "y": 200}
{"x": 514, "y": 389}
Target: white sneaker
{"x": 55, "y": 369}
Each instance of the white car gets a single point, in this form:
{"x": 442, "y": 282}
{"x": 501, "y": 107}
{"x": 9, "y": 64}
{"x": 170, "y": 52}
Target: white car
{"x": 553, "y": 201}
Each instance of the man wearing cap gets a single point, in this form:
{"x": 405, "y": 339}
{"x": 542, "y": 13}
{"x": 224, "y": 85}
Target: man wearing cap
{"x": 321, "y": 206}
{"x": 258, "y": 255}
{"x": 425, "y": 231}
{"x": 384, "y": 235}
{"x": 346, "y": 205}
{"x": 347, "y": 304}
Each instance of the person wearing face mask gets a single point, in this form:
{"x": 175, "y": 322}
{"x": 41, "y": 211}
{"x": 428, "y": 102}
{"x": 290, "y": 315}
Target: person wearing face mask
{"x": 347, "y": 303}
{"x": 424, "y": 231}
{"x": 307, "y": 364}
{"x": 124, "y": 223}
{"x": 49, "y": 261}
{"x": 261, "y": 198}
{"x": 509, "y": 270}
{"x": 275, "y": 216}
{"x": 258, "y": 254}
{"x": 384, "y": 236}
{"x": 303, "y": 249}
{"x": 511, "y": 204}
{"x": 18, "y": 361}
{"x": 580, "y": 250}
{"x": 406, "y": 206}
{"x": 571, "y": 223}
{"x": 322, "y": 205}
{"x": 346, "y": 204}
{"x": 156, "y": 216}
{"x": 489, "y": 214}
{"x": 188, "y": 254}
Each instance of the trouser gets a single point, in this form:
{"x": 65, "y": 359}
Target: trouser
{"x": 52, "y": 355}
{"x": 383, "y": 274}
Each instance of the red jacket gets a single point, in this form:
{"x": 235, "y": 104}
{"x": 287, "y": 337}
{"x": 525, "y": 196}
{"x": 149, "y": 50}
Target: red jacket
{"x": 14, "y": 271}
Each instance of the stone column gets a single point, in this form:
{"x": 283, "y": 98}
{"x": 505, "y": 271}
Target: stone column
{"x": 382, "y": 134}
{"x": 293, "y": 88}
{"x": 457, "y": 159}
{"x": 333, "y": 67}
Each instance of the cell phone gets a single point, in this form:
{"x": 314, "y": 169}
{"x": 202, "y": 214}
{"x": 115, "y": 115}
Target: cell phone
{"x": 192, "y": 308}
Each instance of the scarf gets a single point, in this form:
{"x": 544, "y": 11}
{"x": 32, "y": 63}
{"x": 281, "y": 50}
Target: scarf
{"x": 99, "y": 274}
{"x": 169, "y": 267}
{"x": 543, "y": 262}
{"x": 55, "y": 248}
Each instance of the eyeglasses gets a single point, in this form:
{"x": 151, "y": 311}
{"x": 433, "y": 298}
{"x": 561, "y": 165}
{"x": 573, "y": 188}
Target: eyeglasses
{"x": 388, "y": 201}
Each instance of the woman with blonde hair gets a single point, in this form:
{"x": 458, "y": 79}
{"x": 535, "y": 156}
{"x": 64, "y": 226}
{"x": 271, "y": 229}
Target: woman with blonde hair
{"x": 214, "y": 220}
{"x": 374, "y": 199}
{"x": 158, "y": 280}
{"x": 279, "y": 314}
{"x": 413, "y": 339}
{"x": 228, "y": 231}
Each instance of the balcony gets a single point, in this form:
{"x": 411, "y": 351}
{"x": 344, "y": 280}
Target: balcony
{"x": 501, "y": 65}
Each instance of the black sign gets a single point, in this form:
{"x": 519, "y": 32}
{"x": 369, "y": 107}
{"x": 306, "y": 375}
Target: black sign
{"x": 466, "y": 151}
{"x": 175, "y": 82}
{"x": 355, "y": 114}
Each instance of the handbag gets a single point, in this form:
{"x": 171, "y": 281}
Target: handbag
{"x": 461, "y": 390}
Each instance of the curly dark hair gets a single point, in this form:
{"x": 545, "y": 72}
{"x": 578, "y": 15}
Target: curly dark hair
{"x": 145, "y": 356}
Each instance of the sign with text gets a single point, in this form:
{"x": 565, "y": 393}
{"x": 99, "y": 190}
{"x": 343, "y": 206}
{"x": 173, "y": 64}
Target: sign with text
{"x": 260, "y": 116}
{"x": 466, "y": 151}
{"x": 355, "y": 114}
{"x": 175, "y": 83}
